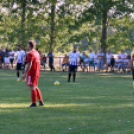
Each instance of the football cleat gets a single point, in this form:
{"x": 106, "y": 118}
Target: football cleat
{"x": 33, "y": 105}
{"x": 41, "y": 103}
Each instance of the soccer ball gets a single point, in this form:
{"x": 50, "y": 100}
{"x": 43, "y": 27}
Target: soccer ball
{"x": 57, "y": 83}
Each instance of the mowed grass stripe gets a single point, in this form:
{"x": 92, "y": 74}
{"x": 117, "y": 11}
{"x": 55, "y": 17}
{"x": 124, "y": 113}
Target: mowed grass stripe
{"x": 98, "y": 103}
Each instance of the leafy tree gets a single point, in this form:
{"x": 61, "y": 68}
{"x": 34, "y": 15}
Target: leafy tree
{"x": 101, "y": 12}
{"x": 23, "y": 10}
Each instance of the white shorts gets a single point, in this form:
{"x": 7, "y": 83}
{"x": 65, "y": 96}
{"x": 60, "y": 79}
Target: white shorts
{"x": 85, "y": 64}
{"x": 6, "y": 60}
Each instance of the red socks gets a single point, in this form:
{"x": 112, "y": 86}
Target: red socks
{"x": 39, "y": 94}
{"x": 34, "y": 96}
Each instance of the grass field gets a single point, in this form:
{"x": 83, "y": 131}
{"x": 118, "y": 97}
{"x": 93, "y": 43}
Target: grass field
{"x": 96, "y": 104}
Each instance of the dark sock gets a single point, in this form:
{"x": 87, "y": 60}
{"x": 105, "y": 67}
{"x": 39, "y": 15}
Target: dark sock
{"x": 74, "y": 75}
{"x": 18, "y": 74}
{"x": 69, "y": 76}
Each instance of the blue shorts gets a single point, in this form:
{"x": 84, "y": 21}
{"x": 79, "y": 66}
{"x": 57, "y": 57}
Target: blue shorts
{"x": 65, "y": 64}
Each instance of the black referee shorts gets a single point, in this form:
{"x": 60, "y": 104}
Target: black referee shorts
{"x": 72, "y": 68}
{"x": 20, "y": 66}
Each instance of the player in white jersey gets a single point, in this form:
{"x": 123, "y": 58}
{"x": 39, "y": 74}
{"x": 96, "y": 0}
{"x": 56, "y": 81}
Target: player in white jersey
{"x": 73, "y": 56}
{"x": 20, "y": 60}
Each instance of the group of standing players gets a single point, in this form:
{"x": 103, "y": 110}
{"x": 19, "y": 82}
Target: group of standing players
{"x": 31, "y": 72}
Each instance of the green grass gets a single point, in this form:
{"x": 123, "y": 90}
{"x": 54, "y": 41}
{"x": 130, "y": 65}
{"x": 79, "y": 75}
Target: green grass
{"x": 96, "y": 104}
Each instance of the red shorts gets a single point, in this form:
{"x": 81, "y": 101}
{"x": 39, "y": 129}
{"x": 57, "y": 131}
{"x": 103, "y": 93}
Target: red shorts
{"x": 32, "y": 80}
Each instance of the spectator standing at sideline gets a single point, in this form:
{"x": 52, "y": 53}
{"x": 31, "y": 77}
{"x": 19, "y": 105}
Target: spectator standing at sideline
{"x": 20, "y": 60}
{"x": 125, "y": 64}
{"x": 2, "y": 55}
{"x": 2, "y": 49}
{"x": 83, "y": 56}
{"x": 43, "y": 61}
{"x": 112, "y": 63}
{"x": 118, "y": 63}
{"x": 50, "y": 55}
{"x": 91, "y": 59}
{"x": 122, "y": 55}
{"x": 129, "y": 56}
{"x": 101, "y": 60}
{"x": 65, "y": 62}
{"x": 96, "y": 60}
{"x": 11, "y": 57}
{"x": 108, "y": 58}
{"x": 6, "y": 58}
{"x": 86, "y": 63}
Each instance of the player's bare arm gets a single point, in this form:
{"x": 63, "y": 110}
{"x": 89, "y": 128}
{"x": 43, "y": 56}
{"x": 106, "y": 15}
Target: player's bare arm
{"x": 27, "y": 69}
{"x": 24, "y": 59}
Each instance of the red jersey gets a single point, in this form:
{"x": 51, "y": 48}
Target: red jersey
{"x": 34, "y": 57}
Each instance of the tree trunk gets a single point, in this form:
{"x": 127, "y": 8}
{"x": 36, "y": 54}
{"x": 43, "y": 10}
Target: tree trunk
{"x": 104, "y": 34}
{"x": 52, "y": 36}
{"x": 23, "y": 18}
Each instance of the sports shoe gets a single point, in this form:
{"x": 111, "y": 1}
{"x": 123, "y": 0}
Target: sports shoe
{"x": 33, "y": 105}
{"x": 18, "y": 79}
{"x": 41, "y": 103}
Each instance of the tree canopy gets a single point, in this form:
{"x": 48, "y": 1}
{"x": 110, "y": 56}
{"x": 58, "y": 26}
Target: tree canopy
{"x": 59, "y": 24}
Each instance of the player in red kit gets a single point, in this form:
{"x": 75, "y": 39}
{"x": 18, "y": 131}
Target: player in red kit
{"x": 32, "y": 72}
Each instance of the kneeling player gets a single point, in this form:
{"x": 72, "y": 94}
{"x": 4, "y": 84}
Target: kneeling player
{"x": 73, "y": 55}
{"x": 32, "y": 71}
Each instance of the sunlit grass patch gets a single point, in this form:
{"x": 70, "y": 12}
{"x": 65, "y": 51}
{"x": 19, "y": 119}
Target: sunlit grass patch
{"x": 97, "y": 103}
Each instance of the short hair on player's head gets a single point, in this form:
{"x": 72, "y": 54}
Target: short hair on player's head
{"x": 32, "y": 43}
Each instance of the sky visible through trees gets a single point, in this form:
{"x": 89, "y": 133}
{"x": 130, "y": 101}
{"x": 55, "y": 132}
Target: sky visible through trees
{"x": 58, "y": 25}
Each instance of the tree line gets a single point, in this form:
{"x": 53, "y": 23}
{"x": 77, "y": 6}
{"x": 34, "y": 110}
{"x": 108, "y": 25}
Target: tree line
{"x": 59, "y": 24}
